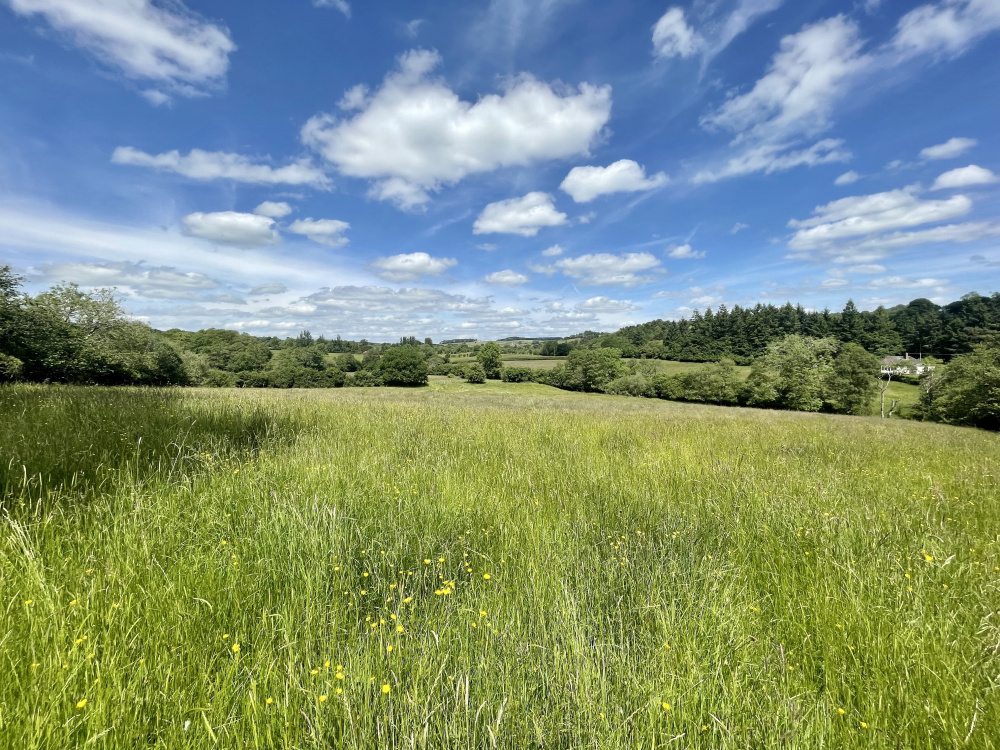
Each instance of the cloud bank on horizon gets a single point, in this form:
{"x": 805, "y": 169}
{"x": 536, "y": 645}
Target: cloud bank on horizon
{"x": 513, "y": 170}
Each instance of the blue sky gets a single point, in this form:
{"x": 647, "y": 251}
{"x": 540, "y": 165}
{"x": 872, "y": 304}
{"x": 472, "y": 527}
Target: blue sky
{"x": 489, "y": 168}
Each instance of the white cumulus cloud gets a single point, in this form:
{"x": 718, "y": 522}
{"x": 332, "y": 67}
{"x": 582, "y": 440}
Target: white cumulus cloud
{"x": 411, "y": 266}
{"x": 414, "y": 134}
{"x": 506, "y": 278}
{"x": 324, "y": 231}
{"x": 552, "y": 252}
{"x": 964, "y": 177}
{"x": 684, "y": 252}
{"x": 950, "y": 149}
{"x": 232, "y": 228}
{"x": 217, "y": 165}
{"x": 523, "y": 216}
{"x": 161, "y": 42}
{"x": 848, "y": 178}
{"x": 273, "y": 210}
{"x": 598, "y": 269}
{"x": 584, "y": 184}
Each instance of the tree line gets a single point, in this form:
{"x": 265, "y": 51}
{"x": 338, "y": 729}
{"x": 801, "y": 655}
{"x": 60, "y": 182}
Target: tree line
{"x": 796, "y": 373}
{"x": 920, "y": 328}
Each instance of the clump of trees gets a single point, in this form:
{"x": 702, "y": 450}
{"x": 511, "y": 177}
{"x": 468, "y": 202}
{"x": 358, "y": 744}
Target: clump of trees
{"x": 67, "y": 335}
{"x": 475, "y": 373}
{"x": 966, "y": 391}
{"x": 743, "y": 333}
{"x": 797, "y": 373}
{"x": 491, "y": 359}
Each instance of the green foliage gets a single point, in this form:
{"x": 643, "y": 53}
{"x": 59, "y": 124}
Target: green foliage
{"x": 921, "y": 328}
{"x": 348, "y": 363}
{"x": 475, "y": 373}
{"x": 365, "y": 379}
{"x": 491, "y": 358}
{"x": 224, "y": 349}
{"x": 967, "y": 392}
{"x": 10, "y": 368}
{"x": 852, "y": 382}
{"x": 10, "y": 311}
{"x": 223, "y": 379}
{"x": 403, "y": 366}
{"x": 792, "y": 374}
{"x": 517, "y": 375}
{"x": 588, "y": 370}
{"x": 719, "y": 383}
{"x": 633, "y": 384}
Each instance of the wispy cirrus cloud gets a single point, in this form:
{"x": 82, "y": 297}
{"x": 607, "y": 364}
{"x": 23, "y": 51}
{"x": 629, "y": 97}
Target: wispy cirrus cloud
{"x": 218, "y": 165}
{"x": 166, "y": 44}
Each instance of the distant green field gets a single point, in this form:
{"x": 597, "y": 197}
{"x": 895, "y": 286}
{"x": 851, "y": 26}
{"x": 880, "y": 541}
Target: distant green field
{"x": 490, "y": 566}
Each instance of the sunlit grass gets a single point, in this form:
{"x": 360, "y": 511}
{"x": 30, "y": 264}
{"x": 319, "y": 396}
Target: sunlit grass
{"x": 490, "y": 566}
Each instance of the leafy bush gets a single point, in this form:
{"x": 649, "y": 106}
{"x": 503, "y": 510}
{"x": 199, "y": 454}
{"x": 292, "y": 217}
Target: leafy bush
{"x": 517, "y": 375}
{"x": 852, "y": 384}
{"x": 251, "y": 379}
{"x": 220, "y": 379}
{"x": 968, "y": 391}
{"x": 631, "y": 385}
{"x": 491, "y": 359}
{"x": 718, "y": 383}
{"x": 792, "y": 374}
{"x": 348, "y": 363}
{"x": 364, "y": 379}
{"x": 10, "y": 367}
{"x": 588, "y": 370}
{"x": 669, "y": 387}
{"x": 403, "y": 366}
{"x": 475, "y": 373}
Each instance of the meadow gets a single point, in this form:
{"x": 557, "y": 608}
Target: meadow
{"x": 496, "y": 566}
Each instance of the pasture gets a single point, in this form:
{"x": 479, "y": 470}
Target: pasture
{"x": 497, "y": 566}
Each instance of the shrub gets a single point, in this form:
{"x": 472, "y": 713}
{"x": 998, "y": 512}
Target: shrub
{"x": 252, "y": 379}
{"x": 330, "y": 378}
{"x": 852, "y": 384}
{"x": 631, "y": 385}
{"x": 669, "y": 387}
{"x": 364, "y": 379}
{"x": 220, "y": 379}
{"x": 713, "y": 384}
{"x": 10, "y": 367}
{"x": 590, "y": 369}
{"x": 475, "y": 373}
{"x": 490, "y": 358}
{"x": 348, "y": 363}
{"x": 968, "y": 391}
{"x": 402, "y": 366}
{"x": 517, "y": 375}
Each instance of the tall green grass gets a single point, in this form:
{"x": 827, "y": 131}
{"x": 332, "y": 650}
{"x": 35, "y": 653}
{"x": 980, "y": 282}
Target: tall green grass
{"x": 490, "y": 566}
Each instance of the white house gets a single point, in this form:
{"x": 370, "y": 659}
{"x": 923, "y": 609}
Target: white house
{"x": 906, "y": 365}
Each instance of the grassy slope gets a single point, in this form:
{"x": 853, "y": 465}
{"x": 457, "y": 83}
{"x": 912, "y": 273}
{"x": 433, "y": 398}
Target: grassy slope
{"x": 776, "y": 579}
